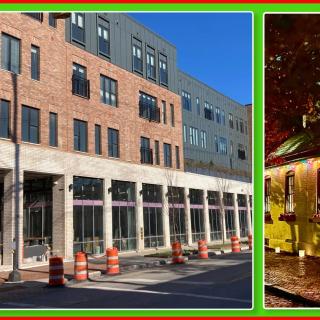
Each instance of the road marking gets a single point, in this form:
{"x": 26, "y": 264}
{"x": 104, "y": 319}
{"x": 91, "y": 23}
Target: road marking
{"x": 18, "y": 304}
{"x": 193, "y": 295}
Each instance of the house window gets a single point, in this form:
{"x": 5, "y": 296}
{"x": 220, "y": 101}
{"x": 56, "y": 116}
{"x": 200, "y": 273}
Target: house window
{"x": 151, "y": 67}
{"x": 78, "y": 30}
{"x": 172, "y": 114}
{"x": 148, "y": 107}
{"x": 177, "y": 158}
{"x": 163, "y": 69}
{"x": 216, "y": 144}
{"x": 198, "y": 105}
{"x": 137, "y": 56}
{"x": 223, "y": 145}
{"x": 203, "y": 138}
{"x": 241, "y": 152}
{"x": 10, "y": 53}
{"x": 145, "y": 151}
{"x": 164, "y": 112}
{"x": 35, "y": 63}
{"x": 186, "y": 100}
{"x": 267, "y": 194}
{"x": 53, "y": 129}
{"x": 289, "y": 192}
{"x": 97, "y": 138}
{"x": 218, "y": 115}
{"x": 230, "y": 120}
{"x": 4, "y": 119}
{"x": 167, "y": 155}
{"x": 184, "y": 133}
{"x": 30, "y": 124}
{"x": 52, "y": 20}
{"x": 208, "y": 111}
{"x": 80, "y": 135}
{"x": 104, "y": 39}
{"x": 35, "y": 15}
{"x": 237, "y": 124}
{"x": 223, "y": 118}
{"x": 241, "y": 126}
{"x": 108, "y": 91}
{"x": 157, "y": 152}
{"x": 194, "y": 136}
{"x": 80, "y": 84}
{"x": 113, "y": 143}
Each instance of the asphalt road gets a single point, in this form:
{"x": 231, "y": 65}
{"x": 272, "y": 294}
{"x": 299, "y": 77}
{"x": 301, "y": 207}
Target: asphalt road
{"x": 221, "y": 282}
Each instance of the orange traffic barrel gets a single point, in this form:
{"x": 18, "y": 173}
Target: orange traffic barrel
{"x": 202, "y": 249}
{"x": 177, "y": 253}
{"x": 112, "y": 261}
{"x": 250, "y": 241}
{"x": 56, "y": 271}
{"x": 235, "y": 244}
{"x": 80, "y": 266}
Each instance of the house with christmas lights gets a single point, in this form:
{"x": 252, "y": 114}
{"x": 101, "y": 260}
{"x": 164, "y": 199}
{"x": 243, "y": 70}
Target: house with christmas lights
{"x": 292, "y": 194}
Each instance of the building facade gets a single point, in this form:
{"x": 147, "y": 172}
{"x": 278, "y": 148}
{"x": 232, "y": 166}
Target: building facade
{"x": 91, "y": 143}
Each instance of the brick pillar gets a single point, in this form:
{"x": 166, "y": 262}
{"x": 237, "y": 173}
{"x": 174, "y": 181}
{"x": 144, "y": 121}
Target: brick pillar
{"x": 187, "y": 216}
{"x": 248, "y": 214}
{"x": 223, "y": 218}
{"x": 107, "y": 214}
{"x": 69, "y": 217}
{"x": 236, "y": 215}
{"x": 206, "y": 216}
{"x": 139, "y": 217}
{"x": 8, "y": 218}
{"x": 59, "y": 222}
{"x": 165, "y": 214}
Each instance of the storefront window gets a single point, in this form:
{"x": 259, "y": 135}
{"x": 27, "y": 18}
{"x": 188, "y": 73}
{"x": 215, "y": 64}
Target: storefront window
{"x": 196, "y": 211}
{"x": 230, "y": 223}
{"x": 1, "y": 223}
{"x": 243, "y": 222}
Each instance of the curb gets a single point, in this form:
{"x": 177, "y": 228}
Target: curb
{"x": 282, "y": 292}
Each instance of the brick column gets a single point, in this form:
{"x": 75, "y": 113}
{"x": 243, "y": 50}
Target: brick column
{"x": 107, "y": 215}
{"x": 69, "y": 217}
{"x": 139, "y": 217}
{"x": 206, "y": 215}
{"x": 248, "y": 214}
{"x": 165, "y": 214}
{"x": 187, "y": 216}
{"x": 236, "y": 215}
{"x": 8, "y": 218}
{"x": 59, "y": 222}
{"x": 223, "y": 218}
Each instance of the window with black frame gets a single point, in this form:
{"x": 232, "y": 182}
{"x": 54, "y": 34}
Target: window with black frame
{"x": 228, "y": 202}
{"x": 157, "y": 152}
{"x": 113, "y": 143}
{"x": 4, "y": 119}
{"x": 146, "y": 153}
{"x": 30, "y": 124}
{"x": 167, "y": 154}
{"x": 243, "y": 220}
{"x": 196, "y": 214}
{"x": 163, "y": 69}
{"x": 104, "y": 37}
{"x": 137, "y": 60}
{"x": 208, "y": 111}
{"x": 186, "y": 100}
{"x": 35, "y": 15}
{"x": 80, "y": 84}
{"x": 148, "y": 108}
{"x": 35, "y": 62}
{"x": 151, "y": 68}
{"x": 52, "y": 20}
{"x": 289, "y": 192}
{"x": 53, "y": 129}
{"x": 10, "y": 53}
{"x": 108, "y": 90}
{"x": 80, "y": 135}
{"x": 97, "y": 139}
{"x": 78, "y": 27}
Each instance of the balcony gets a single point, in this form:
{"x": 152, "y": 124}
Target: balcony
{"x": 80, "y": 86}
{"x": 146, "y": 155}
{"x": 208, "y": 114}
{"x": 149, "y": 112}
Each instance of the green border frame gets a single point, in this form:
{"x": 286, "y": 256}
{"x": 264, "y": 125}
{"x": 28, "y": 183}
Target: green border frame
{"x": 258, "y": 10}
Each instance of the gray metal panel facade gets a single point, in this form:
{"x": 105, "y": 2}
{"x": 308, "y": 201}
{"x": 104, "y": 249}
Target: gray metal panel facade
{"x": 191, "y": 118}
{"x": 122, "y": 29}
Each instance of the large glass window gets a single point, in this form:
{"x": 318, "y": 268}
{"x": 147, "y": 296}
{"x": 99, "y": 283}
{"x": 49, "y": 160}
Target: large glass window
{"x": 196, "y": 211}
{"x": 4, "y": 119}
{"x": 167, "y": 155}
{"x": 230, "y": 223}
{"x": 151, "y": 68}
{"x": 30, "y": 124}
{"x": 113, "y": 143}
{"x": 53, "y": 129}
{"x": 215, "y": 224}
{"x": 186, "y": 100}
{"x": 104, "y": 38}
{"x": 243, "y": 223}
{"x": 148, "y": 107}
{"x": 10, "y": 53}
{"x": 35, "y": 62}
{"x": 80, "y": 84}
{"x": 137, "y": 64}
{"x": 223, "y": 145}
{"x": 163, "y": 69}
{"x": 289, "y": 192}
{"x": 78, "y": 28}
{"x": 80, "y": 135}
{"x": 108, "y": 91}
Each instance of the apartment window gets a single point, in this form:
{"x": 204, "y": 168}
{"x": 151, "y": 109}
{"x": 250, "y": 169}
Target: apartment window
{"x": 80, "y": 84}
{"x": 184, "y": 133}
{"x": 218, "y": 115}
{"x": 113, "y": 143}
{"x": 198, "y": 105}
{"x": 30, "y": 124}
{"x": 241, "y": 152}
{"x": 148, "y": 107}
{"x": 208, "y": 111}
{"x": 267, "y": 194}
{"x": 223, "y": 118}
{"x": 203, "y": 138}
{"x": 186, "y": 100}
{"x": 177, "y": 158}
{"x": 164, "y": 112}
{"x": 231, "y": 148}
{"x": 145, "y": 151}
{"x": 163, "y": 69}
{"x": 167, "y": 155}
{"x": 194, "y": 136}
{"x": 104, "y": 39}
{"x": 246, "y": 128}
{"x": 289, "y": 192}
{"x": 172, "y": 114}
{"x": 151, "y": 66}
{"x": 137, "y": 56}
{"x": 241, "y": 126}
{"x": 80, "y": 135}
{"x": 52, "y": 20}
{"x": 237, "y": 124}
{"x": 216, "y": 143}
{"x": 230, "y": 120}
{"x": 35, "y": 62}
{"x": 35, "y": 15}
{"x": 97, "y": 138}
{"x": 157, "y": 152}
{"x": 108, "y": 91}
{"x": 10, "y": 53}
{"x": 77, "y": 29}
{"x": 53, "y": 129}
{"x": 223, "y": 145}
{"x": 4, "y": 119}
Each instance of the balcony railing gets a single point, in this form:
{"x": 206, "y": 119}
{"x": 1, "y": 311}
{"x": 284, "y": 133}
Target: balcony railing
{"x": 149, "y": 112}
{"x": 80, "y": 86}
{"x": 208, "y": 114}
{"x": 146, "y": 155}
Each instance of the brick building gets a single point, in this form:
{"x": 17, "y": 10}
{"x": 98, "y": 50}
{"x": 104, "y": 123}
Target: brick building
{"x": 91, "y": 143}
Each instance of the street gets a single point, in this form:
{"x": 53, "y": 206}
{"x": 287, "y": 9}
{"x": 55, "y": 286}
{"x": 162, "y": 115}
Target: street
{"x": 220, "y": 282}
